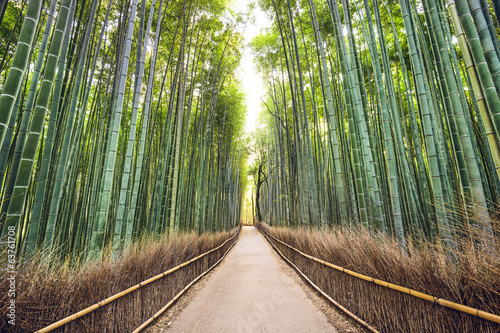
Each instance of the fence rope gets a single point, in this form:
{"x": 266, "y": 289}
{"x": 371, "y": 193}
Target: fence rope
{"x": 433, "y": 299}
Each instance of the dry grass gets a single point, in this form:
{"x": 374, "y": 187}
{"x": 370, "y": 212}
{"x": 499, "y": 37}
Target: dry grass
{"x": 47, "y": 294}
{"x": 470, "y": 277}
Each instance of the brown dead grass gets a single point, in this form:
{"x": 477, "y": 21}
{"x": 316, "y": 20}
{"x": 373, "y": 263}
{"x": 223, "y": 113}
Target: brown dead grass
{"x": 470, "y": 277}
{"x": 47, "y": 294}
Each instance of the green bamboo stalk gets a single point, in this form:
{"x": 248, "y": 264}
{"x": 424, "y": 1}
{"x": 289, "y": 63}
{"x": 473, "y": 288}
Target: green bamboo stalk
{"x": 121, "y": 213}
{"x": 62, "y": 165}
{"x": 19, "y": 64}
{"x": 19, "y": 194}
{"x": 485, "y": 78}
{"x": 109, "y": 172}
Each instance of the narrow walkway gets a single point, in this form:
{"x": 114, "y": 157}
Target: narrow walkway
{"x": 250, "y": 293}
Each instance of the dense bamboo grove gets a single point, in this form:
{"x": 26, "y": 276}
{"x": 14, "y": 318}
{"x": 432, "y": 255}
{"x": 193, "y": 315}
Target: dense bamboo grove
{"x": 118, "y": 119}
{"x": 381, "y": 114}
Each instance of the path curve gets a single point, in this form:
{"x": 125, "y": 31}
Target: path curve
{"x": 250, "y": 293}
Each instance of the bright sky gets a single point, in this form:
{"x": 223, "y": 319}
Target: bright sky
{"x": 252, "y": 83}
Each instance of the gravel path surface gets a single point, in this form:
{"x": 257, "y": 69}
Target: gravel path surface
{"x": 252, "y": 290}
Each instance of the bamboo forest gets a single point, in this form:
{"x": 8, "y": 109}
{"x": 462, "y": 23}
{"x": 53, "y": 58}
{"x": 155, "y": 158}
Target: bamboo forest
{"x": 134, "y": 142}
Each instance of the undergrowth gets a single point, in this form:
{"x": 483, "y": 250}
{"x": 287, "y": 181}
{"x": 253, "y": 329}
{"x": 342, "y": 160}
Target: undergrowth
{"x": 47, "y": 293}
{"x": 469, "y": 275}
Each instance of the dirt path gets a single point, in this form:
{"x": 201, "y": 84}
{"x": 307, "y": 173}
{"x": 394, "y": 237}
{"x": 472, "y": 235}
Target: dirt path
{"x": 251, "y": 292}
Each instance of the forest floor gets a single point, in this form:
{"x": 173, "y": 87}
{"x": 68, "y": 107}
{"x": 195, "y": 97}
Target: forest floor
{"x": 253, "y": 290}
